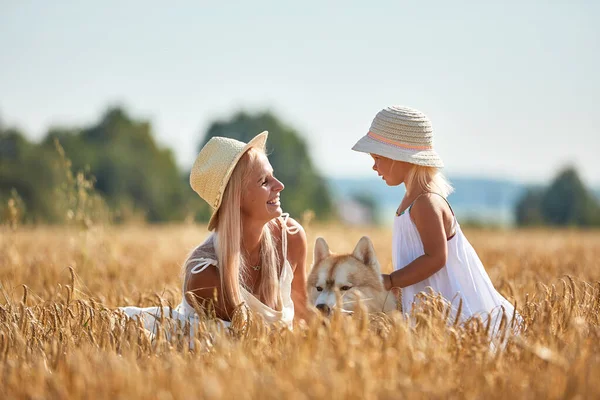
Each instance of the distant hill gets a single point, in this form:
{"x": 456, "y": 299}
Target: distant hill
{"x": 481, "y": 200}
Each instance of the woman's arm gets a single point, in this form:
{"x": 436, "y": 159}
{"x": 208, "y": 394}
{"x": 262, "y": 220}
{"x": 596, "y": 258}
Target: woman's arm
{"x": 206, "y": 289}
{"x": 297, "y": 249}
{"x": 429, "y": 216}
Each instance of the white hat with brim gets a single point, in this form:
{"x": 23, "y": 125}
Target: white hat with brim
{"x": 426, "y": 158}
{"x": 401, "y": 134}
{"x": 214, "y": 165}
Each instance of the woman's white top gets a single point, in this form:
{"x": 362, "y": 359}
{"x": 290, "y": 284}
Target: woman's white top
{"x": 184, "y": 312}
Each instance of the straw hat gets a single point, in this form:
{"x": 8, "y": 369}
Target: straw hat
{"x": 402, "y": 134}
{"x": 215, "y": 164}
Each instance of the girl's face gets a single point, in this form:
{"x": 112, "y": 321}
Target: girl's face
{"x": 392, "y": 172}
{"x": 260, "y": 198}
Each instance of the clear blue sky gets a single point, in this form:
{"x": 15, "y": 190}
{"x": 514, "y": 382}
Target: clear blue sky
{"x": 512, "y": 88}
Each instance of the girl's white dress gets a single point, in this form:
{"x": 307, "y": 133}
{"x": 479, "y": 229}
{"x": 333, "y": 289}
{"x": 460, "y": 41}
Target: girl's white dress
{"x": 463, "y": 276}
{"x": 184, "y": 312}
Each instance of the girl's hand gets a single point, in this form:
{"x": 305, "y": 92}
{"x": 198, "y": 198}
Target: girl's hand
{"x": 387, "y": 281}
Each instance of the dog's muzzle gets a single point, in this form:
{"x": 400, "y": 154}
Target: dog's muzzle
{"x": 324, "y": 308}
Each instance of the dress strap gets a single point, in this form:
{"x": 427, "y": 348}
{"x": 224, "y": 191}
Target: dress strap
{"x": 413, "y": 202}
{"x": 202, "y": 265}
{"x": 445, "y": 199}
{"x": 453, "y": 227}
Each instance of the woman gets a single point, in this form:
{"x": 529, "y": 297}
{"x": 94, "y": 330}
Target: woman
{"x": 256, "y": 254}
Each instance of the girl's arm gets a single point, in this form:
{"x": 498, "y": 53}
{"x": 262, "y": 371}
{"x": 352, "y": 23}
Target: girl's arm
{"x": 429, "y": 215}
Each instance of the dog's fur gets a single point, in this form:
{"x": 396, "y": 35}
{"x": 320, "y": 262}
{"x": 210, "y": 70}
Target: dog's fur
{"x": 350, "y": 277}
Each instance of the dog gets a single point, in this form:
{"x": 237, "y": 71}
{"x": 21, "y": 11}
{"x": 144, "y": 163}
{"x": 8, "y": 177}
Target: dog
{"x": 349, "y": 278}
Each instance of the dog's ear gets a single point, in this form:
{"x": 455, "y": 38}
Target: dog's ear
{"x": 321, "y": 250}
{"x": 365, "y": 253}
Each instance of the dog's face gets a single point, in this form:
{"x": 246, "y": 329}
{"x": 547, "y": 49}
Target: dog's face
{"x": 347, "y": 277}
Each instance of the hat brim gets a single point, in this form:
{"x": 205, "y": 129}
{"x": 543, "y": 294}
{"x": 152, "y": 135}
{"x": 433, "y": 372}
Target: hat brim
{"x": 259, "y": 141}
{"x": 426, "y": 158}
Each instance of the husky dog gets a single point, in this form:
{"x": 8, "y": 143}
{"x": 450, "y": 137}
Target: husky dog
{"x": 348, "y": 277}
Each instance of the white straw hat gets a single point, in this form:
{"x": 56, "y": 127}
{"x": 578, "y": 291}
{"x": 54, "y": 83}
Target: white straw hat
{"x": 215, "y": 164}
{"x": 402, "y": 134}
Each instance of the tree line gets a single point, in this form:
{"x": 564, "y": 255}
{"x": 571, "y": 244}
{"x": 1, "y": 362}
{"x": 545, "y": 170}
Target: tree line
{"x": 566, "y": 201}
{"x": 114, "y": 171}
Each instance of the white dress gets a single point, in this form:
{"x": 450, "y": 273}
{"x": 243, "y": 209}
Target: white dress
{"x": 463, "y": 276}
{"x": 184, "y": 312}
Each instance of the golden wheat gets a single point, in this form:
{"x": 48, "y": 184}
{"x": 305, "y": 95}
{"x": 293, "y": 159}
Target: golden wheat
{"x": 61, "y": 338}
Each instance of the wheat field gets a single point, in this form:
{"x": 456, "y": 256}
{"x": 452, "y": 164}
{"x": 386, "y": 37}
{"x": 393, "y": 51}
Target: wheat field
{"x": 60, "y": 336}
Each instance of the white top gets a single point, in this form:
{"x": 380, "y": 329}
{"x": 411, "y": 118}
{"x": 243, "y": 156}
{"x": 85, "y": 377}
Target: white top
{"x": 286, "y": 315}
{"x": 463, "y": 276}
{"x": 184, "y": 312}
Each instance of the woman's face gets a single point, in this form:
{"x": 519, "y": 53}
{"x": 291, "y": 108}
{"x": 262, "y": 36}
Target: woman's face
{"x": 392, "y": 172}
{"x": 260, "y": 198}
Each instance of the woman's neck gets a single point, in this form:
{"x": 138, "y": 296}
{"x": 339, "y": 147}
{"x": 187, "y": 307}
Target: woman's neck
{"x": 252, "y": 234}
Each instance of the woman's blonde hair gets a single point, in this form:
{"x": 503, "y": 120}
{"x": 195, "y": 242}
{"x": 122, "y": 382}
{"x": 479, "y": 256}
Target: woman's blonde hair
{"x": 430, "y": 179}
{"x": 233, "y": 266}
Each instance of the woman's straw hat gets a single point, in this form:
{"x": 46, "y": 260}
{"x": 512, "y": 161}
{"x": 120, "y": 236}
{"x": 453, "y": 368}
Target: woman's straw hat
{"x": 402, "y": 134}
{"x": 215, "y": 164}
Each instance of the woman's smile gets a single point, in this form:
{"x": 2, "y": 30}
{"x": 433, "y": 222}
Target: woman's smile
{"x": 274, "y": 202}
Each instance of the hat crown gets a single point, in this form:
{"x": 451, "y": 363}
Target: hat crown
{"x": 211, "y": 167}
{"x": 403, "y": 125}
{"x": 403, "y": 134}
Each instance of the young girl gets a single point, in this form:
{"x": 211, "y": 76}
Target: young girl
{"x": 256, "y": 254}
{"x": 429, "y": 248}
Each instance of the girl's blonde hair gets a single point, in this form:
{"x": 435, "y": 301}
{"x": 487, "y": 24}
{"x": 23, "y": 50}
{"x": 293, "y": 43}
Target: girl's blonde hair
{"x": 233, "y": 266}
{"x": 430, "y": 179}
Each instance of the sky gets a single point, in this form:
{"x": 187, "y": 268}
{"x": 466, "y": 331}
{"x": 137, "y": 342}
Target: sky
{"x": 512, "y": 88}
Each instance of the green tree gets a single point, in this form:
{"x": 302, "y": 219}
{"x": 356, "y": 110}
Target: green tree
{"x": 116, "y": 158}
{"x": 528, "y": 209}
{"x": 134, "y": 175}
{"x": 28, "y": 170}
{"x": 288, "y": 153}
{"x": 565, "y": 202}
{"x": 568, "y": 202}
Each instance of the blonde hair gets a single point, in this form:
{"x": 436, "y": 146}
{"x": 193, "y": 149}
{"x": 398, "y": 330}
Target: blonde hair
{"x": 430, "y": 179}
{"x": 233, "y": 266}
